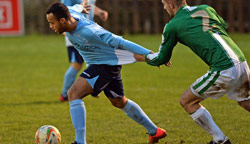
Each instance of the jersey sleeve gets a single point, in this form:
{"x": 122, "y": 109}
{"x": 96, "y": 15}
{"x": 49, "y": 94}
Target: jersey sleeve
{"x": 133, "y": 47}
{"x": 169, "y": 40}
{"x": 66, "y": 2}
{"x": 117, "y": 42}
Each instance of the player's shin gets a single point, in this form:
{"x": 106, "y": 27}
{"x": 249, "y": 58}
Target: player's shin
{"x": 203, "y": 118}
{"x": 134, "y": 111}
{"x": 78, "y": 117}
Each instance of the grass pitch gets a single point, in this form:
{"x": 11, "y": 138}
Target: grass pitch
{"x": 32, "y": 69}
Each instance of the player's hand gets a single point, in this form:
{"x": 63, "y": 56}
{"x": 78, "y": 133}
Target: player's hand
{"x": 168, "y": 64}
{"x": 86, "y": 7}
{"x": 103, "y": 15}
{"x": 140, "y": 58}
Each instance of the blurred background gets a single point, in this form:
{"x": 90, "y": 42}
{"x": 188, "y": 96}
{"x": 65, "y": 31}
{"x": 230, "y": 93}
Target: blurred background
{"x": 131, "y": 16}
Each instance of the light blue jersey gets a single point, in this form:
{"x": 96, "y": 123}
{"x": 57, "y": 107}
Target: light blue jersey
{"x": 99, "y": 46}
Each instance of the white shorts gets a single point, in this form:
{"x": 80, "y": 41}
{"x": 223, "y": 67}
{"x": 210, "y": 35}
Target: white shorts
{"x": 235, "y": 82}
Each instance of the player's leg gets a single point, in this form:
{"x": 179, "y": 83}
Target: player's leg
{"x": 200, "y": 115}
{"x": 70, "y": 75}
{"x": 114, "y": 91}
{"x": 78, "y": 90}
{"x": 211, "y": 85}
{"x": 92, "y": 81}
{"x": 135, "y": 112}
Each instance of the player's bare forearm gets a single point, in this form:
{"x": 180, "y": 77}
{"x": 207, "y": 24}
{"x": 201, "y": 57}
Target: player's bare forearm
{"x": 140, "y": 58}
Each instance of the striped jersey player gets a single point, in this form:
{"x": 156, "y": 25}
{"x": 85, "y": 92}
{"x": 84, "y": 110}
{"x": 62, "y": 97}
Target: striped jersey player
{"x": 204, "y": 32}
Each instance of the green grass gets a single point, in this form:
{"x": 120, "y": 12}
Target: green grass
{"x": 32, "y": 69}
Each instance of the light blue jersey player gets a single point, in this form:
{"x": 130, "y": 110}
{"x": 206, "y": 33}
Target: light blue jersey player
{"x": 104, "y": 53}
{"x": 74, "y": 57}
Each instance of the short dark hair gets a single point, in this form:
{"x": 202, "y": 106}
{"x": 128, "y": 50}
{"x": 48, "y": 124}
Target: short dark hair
{"x": 59, "y": 10}
{"x": 180, "y": 2}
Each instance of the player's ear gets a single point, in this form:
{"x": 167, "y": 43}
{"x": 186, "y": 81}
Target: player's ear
{"x": 172, "y": 6}
{"x": 62, "y": 20}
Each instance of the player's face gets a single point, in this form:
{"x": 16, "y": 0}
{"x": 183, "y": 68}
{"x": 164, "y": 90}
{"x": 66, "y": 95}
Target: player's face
{"x": 54, "y": 24}
{"x": 167, "y": 5}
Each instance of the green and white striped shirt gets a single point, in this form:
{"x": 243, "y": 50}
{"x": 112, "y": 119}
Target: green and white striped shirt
{"x": 203, "y": 31}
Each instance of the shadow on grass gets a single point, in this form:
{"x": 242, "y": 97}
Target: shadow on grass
{"x": 32, "y": 103}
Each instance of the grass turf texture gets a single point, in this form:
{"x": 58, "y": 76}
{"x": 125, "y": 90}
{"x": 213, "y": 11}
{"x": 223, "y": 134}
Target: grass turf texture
{"x": 32, "y": 69}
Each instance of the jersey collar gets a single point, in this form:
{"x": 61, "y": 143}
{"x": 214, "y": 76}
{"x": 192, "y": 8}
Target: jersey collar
{"x": 180, "y": 9}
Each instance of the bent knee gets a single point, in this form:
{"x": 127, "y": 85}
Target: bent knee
{"x": 185, "y": 104}
{"x": 72, "y": 95}
{"x": 245, "y": 104}
{"x": 118, "y": 104}
{"x": 190, "y": 105}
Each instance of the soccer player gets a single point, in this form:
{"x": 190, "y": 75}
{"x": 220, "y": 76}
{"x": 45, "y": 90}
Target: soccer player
{"x": 203, "y": 31}
{"x": 74, "y": 57}
{"x": 104, "y": 53}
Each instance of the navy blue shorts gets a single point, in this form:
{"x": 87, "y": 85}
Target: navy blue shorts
{"x": 105, "y": 78}
{"x": 74, "y": 55}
